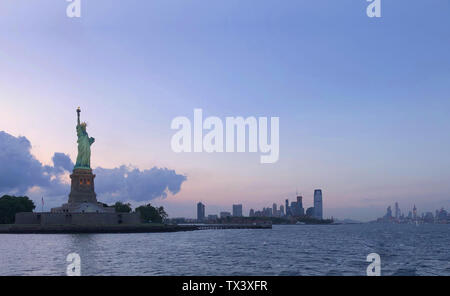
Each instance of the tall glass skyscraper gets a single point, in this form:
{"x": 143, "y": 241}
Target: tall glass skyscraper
{"x": 237, "y": 210}
{"x": 200, "y": 211}
{"x": 318, "y": 205}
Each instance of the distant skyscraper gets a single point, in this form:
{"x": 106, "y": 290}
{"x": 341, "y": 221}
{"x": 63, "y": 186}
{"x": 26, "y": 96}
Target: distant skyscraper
{"x": 282, "y": 210}
{"x": 275, "y": 209}
{"x": 200, "y": 211}
{"x": 300, "y": 201}
{"x": 252, "y": 213}
{"x": 288, "y": 212}
{"x": 388, "y": 213}
{"x": 300, "y": 209}
{"x": 294, "y": 209}
{"x": 397, "y": 211}
{"x": 318, "y": 204}
{"x": 237, "y": 210}
{"x": 414, "y": 212}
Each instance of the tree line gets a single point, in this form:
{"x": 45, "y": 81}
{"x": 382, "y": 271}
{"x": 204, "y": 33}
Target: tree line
{"x": 11, "y": 205}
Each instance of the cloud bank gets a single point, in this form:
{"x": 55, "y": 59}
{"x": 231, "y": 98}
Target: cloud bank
{"x": 21, "y": 173}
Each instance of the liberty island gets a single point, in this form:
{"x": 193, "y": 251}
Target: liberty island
{"x": 83, "y": 213}
{"x": 82, "y": 208}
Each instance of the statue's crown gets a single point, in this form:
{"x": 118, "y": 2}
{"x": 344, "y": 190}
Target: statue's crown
{"x": 84, "y": 125}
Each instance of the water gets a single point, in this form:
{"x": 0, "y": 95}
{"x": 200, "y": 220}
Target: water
{"x": 284, "y": 250}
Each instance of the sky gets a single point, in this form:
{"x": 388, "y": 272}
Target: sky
{"x": 363, "y": 102}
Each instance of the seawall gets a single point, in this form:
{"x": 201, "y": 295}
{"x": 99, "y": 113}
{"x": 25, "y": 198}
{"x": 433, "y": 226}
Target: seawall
{"x": 60, "y": 229}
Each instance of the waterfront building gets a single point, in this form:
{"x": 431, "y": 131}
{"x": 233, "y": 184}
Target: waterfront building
{"x": 442, "y": 215}
{"x": 300, "y": 209}
{"x": 318, "y": 204}
{"x": 397, "y": 211}
{"x": 428, "y": 218}
{"x": 294, "y": 209}
{"x": 300, "y": 201}
{"x": 237, "y": 211}
{"x": 310, "y": 212}
{"x": 225, "y": 214}
{"x": 200, "y": 211}
{"x": 388, "y": 213}
{"x": 213, "y": 217}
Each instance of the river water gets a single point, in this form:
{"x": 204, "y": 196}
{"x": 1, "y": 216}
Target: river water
{"x": 283, "y": 250}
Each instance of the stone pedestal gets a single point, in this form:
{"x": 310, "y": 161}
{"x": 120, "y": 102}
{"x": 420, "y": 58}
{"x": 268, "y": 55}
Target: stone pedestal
{"x": 82, "y": 197}
{"x": 82, "y": 189}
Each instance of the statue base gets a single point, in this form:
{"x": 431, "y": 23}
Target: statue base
{"x": 82, "y": 197}
{"x": 83, "y": 188}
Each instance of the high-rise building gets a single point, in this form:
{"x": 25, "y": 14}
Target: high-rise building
{"x": 200, "y": 211}
{"x": 318, "y": 204}
{"x": 414, "y": 212}
{"x": 300, "y": 201}
{"x": 237, "y": 210}
{"x": 282, "y": 210}
{"x": 275, "y": 209}
{"x": 294, "y": 209}
{"x": 310, "y": 212}
{"x": 397, "y": 211}
{"x": 300, "y": 210}
{"x": 288, "y": 212}
{"x": 252, "y": 213}
{"x": 388, "y": 213}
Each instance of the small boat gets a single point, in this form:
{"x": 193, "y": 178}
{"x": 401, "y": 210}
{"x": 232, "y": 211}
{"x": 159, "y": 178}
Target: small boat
{"x": 300, "y": 223}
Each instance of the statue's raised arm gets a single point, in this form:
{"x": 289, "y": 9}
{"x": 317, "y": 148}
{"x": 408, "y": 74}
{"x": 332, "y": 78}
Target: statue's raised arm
{"x": 78, "y": 112}
{"x": 84, "y": 145}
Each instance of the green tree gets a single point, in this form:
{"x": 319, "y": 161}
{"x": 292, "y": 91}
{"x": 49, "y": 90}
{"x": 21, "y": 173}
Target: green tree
{"x": 122, "y": 208}
{"x": 11, "y": 205}
{"x": 150, "y": 214}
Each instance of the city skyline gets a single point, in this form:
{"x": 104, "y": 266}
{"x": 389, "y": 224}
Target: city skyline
{"x": 413, "y": 215}
{"x": 363, "y": 107}
{"x": 293, "y": 209}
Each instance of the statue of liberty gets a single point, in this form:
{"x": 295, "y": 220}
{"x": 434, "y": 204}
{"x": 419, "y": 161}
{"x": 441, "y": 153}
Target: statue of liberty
{"x": 84, "y": 145}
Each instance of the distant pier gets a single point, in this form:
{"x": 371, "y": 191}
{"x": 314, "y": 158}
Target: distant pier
{"x": 231, "y": 226}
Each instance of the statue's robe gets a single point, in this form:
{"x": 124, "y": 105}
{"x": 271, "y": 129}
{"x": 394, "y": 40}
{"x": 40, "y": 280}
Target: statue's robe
{"x": 84, "y": 148}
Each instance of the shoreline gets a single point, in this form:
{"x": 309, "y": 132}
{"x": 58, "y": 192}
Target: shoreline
{"x": 73, "y": 229}
{"x": 139, "y": 228}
